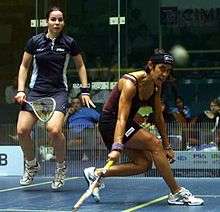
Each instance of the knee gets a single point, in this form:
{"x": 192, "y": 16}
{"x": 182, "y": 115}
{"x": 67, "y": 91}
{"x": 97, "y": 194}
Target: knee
{"x": 54, "y": 132}
{"x": 157, "y": 146}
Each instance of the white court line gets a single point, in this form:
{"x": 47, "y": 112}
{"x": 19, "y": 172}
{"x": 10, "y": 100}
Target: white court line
{"x": 33, "y": 185}
{"x": 25, "y": 210}
{"x": 209, "y": 195}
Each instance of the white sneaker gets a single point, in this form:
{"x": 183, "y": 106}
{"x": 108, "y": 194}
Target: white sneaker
{"x": 58, "y": 181}
{"x": 29, "y": 173}
{"x": 184, "y": 197}
{"x": 89, "y": 174}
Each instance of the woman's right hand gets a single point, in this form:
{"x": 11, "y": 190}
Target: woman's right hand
{"x": 20, "y": 97}
{"x": 114, "y": 155}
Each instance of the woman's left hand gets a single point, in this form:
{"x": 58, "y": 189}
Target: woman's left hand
{"x": 170, "y": 155}
{"x": 87, "y": 101}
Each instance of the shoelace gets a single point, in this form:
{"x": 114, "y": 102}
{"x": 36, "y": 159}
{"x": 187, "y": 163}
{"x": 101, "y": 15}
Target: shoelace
{"x": 29, "y": 171}
{"x": 185, "y": 193}
{"x": 60, "y": 174}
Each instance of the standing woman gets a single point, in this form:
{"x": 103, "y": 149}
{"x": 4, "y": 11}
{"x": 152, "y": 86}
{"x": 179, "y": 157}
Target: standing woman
{"x": 49, "y": 53}
{"x": 121, "y": 133}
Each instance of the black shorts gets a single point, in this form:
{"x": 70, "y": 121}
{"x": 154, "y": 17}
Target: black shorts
{"x": 107, "y": 125}
{"x": 60, "y": 97}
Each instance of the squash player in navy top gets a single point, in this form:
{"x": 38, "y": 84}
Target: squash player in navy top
{"x": 121, "y": 133}
{"x": 50, "y": 53}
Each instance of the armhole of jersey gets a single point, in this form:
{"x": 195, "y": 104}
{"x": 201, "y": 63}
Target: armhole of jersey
{"x": 132, "y": 78}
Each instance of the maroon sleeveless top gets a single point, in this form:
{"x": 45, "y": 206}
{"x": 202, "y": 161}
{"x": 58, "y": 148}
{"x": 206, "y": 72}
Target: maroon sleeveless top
{"x": 111, "y": 105}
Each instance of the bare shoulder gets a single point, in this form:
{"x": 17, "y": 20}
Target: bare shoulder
{"x": 127, "y": 87}
{"x": 138, "y": 74}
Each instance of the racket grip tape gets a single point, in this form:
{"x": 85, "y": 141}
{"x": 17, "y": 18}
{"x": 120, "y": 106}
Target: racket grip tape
{"x": 108, "y": 164}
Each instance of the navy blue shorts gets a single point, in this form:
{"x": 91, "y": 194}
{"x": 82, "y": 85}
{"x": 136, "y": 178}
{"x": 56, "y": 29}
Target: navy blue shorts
{"x": 107, "y": 125}
{"x": 60, "y": 97}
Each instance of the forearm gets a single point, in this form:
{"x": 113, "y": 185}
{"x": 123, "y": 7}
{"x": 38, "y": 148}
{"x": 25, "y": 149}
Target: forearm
{"x": 83, "y": 76}
{"x": 161, "y": 126}
{"x": 118, "y": 138}
{"x": 22, "y": 77}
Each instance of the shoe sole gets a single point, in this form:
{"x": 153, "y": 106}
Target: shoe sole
{"x": 185, "y": 203}
{"x": 94, "y": 197}
{"x": 26, "y": 184}
{"x": 57, "y": 189}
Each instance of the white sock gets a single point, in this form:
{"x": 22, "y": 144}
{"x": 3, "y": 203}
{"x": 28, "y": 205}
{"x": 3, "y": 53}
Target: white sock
{"x": 31, "y": 162}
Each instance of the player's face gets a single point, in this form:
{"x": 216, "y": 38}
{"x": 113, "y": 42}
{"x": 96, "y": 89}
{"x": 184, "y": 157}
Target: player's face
{"x": 214, "y": 107}
{"x": 161, "y": 72}
{"x": 55, "y": 22}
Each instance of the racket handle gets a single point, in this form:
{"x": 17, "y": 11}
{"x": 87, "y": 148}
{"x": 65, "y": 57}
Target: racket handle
{"x": 108, "y": 164}
{"x": 85, "y": 196}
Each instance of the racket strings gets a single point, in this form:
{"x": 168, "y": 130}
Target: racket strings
{"x": 44, "y": 108}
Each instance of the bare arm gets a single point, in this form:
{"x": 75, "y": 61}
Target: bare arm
{"x": 22, "y": 76}
{"x": 161, "y": 126}
{"x": 83, "y": 78}
{"x": 128, "y": 91}
{"x": 81, "y": 69}
{"x": 159, "y": 119}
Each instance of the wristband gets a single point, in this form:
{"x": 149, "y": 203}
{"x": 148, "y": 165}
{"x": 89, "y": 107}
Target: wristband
{"x": 85, "y": 91}
{"x": 117, "y": 147}
{"x": 20, "y": 91}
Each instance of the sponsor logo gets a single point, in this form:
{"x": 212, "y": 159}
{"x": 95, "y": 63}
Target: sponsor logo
{"x": 60, "y": 50}
{"x": 3, "y": 159}
{"x": 181, "y": 157}
{"x": 129, "y": 131}
{"x": 199, "y": 156}
{"x": 40, "y": 50}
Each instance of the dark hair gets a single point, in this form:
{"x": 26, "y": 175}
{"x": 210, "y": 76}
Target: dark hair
{"x": 54, "y": 8}
{"x": 160, "y": 56}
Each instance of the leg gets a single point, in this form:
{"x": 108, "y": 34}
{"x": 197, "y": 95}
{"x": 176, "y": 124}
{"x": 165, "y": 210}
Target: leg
{"x": 139, "y": 162}
{"x": 55, "y": 133}
{"x": 25, "y": 124}
{"x": 26, "y": 121}
{"x": 146, "y": 140}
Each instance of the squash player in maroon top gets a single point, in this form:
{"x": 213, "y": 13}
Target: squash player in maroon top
{"x": 121, "y": 133}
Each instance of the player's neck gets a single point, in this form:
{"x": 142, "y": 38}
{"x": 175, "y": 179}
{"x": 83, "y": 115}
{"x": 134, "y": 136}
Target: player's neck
{"x": 51, "y": 36}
